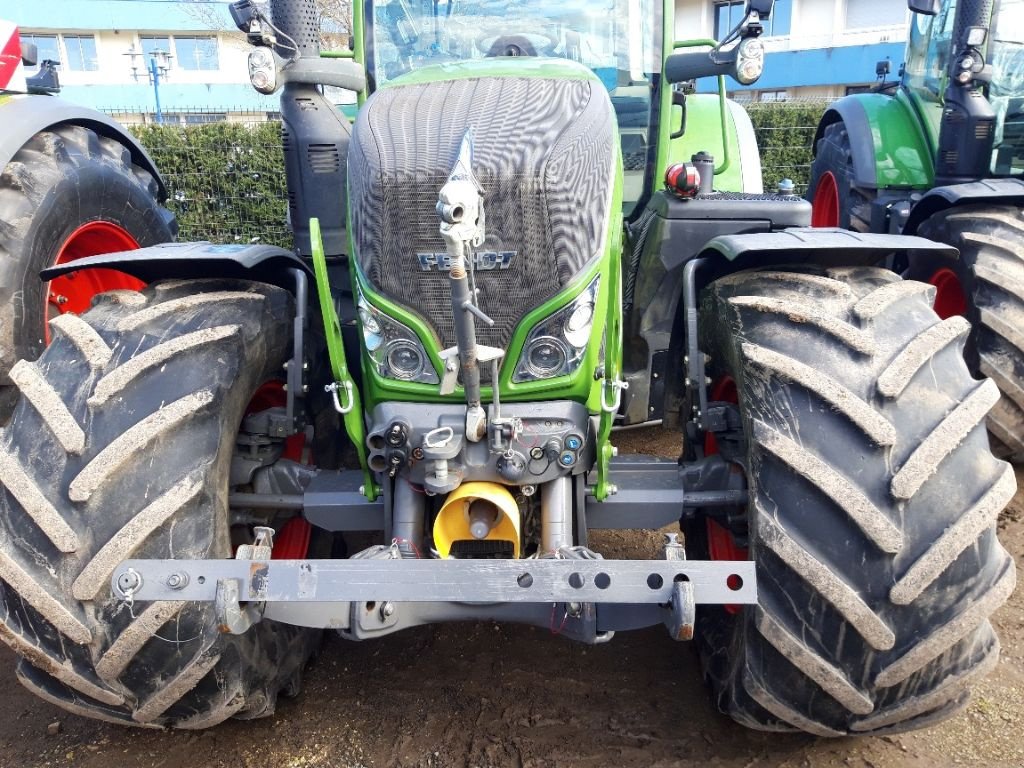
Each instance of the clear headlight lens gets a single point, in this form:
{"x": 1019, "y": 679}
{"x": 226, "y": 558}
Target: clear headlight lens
{"x": 394, "y": 348}
{"x": 750, "y": 61}
{"x": 404, "y": 359}
{"x": 556, "y": 345}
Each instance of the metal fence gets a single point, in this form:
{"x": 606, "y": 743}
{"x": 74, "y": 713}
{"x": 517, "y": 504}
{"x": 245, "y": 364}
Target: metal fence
{"x": 225, "y": 173}
{"x": 785, "y": 136}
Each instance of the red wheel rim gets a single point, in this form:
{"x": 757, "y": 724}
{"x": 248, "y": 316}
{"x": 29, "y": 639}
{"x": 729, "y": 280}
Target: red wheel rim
{"x": 950, "y": 299}
{"x": 721, "y": 543}
{"x": 74, "y": 293}
{"x": 271, "y": 394}
{"x": 825, "y": 207}
{"x": 722, "y": 391}
{"x": 292, "y": 541}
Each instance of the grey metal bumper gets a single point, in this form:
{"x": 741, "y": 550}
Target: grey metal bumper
{"x": 583, "y": 599}
{"x": 503, "y": 581}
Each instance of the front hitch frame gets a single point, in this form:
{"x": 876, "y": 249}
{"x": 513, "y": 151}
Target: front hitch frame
{"x": 594, "y": 595}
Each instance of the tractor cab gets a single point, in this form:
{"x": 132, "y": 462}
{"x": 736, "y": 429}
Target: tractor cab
{"x": 621, "y": 42}
{"x": 998, "y": 64}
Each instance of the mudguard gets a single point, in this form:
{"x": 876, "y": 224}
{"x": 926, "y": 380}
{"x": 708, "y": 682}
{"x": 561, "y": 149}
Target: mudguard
{"x": 990, "y": 191}
{"x": 727, "y": 254}
{"x": 823, "y": 247}
{"x": 24, "y": 116}
{"x": 183, "y": 261}
{"x": 888, "y": 143}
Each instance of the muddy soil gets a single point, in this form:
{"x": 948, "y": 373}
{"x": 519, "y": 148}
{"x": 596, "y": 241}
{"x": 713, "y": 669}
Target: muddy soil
{"x": 487, "y": 695}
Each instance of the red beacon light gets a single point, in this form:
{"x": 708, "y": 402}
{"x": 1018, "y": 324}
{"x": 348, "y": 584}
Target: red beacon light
{"x": 683, "y": 180}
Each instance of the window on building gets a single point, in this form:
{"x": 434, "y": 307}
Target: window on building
{"x": 729, "y": 14}
{"x": 781, "y": 19}
{"x": 773, "y": 96}
{"x": 153, "y": 43}
{"x": 203, "y": 118}
{"x": 46, "y": 45}
{"x": 196, "y": 53}
{"x": 81, "y": 50}
{"x": 866, "y": 14}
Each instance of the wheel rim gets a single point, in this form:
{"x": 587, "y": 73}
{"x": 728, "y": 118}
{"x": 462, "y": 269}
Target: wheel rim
{"x": 825, "y": 207}
{"x": 74, "y": 293}
{"x": 721, "y": 543}
{"x": 292, "y": 541}
{"x": 722, "y": 391}
{"x": 950, "y": 299}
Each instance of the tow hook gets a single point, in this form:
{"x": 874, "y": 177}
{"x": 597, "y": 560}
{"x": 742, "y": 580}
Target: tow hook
{"x": 682, "y": 607}
{"x": 232, "y": 617}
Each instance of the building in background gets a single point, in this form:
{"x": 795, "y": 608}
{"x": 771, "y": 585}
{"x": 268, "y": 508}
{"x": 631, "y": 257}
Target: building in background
{"x": 94, "y": 40}
{"x": 815, "y": 48}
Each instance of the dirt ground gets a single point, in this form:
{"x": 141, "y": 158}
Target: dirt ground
{"x": 486, "y": 695}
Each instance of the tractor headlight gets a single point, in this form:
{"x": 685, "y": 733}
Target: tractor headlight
{"x": 556, "y": 345}
{"x": 394, "y": 348}
{"x": 263, "y": 71}
{"x": 750, "y": 61}
{"x": 405, "y": 359}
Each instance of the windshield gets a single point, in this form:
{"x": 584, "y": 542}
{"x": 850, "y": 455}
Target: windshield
{"x": 620, "y": 40}
{"x": 1006, "y": 92}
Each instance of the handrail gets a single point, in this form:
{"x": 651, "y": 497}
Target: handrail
{"x": 723, "y": 108}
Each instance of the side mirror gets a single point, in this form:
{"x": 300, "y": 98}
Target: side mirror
{"x": 763, "y": 8}
{"x": 925, "y": 7}
{"x": 29, "y": 54}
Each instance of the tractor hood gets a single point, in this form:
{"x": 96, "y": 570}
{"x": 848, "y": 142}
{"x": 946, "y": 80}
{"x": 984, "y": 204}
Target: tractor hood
{"x": 544, "y": 152}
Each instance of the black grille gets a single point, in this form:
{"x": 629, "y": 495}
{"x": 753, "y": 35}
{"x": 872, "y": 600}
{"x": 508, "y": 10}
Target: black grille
{"x": 323, "y": 158}
{"x": 752, "y": 196}
{"x": 544, "y": 154}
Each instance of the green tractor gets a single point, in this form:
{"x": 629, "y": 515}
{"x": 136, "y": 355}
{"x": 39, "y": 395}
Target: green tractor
{"x": 410, "y": 419}
{"x": 73, "y": 183}
{"x": 940, "y": 153}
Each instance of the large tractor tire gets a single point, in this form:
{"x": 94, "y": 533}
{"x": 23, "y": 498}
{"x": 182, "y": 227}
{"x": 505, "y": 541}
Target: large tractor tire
{"x": 987, "y": 286}
{"x": 836, "y": 201}
{"x": 120, "y": 446}
{"x": 873, "y": 505}
{"x": 68, "y": 193}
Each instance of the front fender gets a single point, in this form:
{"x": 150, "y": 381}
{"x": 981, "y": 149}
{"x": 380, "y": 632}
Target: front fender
{"x": 186, "y": 261}
{"x": 25, "y": 116}
{"x": 889, "y": 146}
{"x": 989, "y": 191}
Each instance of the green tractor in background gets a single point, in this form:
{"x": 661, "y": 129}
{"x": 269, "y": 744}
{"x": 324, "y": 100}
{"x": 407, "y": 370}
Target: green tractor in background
{"x": 410, "y": 419}
{"x": 73, "y": 183}
{"x": 940, "y": 153}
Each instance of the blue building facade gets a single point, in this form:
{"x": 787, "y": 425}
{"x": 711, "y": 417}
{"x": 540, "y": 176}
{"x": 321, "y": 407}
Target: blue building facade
{"x": 815, "y": 48}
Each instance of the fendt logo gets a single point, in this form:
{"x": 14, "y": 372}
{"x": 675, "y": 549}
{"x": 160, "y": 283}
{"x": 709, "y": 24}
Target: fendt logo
{"x": 482, "y": 260}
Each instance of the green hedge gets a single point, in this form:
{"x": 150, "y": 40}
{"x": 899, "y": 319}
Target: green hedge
{"x": 227, "y": 181}
{"x": 785, "y": 132}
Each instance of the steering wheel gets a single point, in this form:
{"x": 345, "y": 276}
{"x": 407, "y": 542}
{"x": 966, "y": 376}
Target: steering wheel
{"x": 518, "y": 44}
